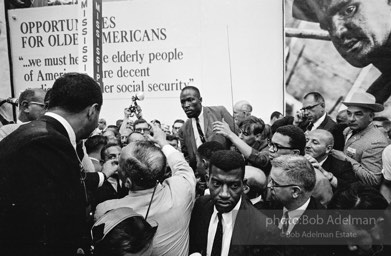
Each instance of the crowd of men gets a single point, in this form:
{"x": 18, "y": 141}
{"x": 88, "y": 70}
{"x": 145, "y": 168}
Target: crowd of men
{"x": 214, "y": 184}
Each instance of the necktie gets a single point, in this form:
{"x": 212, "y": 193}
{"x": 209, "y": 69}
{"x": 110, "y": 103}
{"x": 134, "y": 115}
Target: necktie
{"x": 309, "y": 127}
{"x": 285, "y": 224}
{"x": 218, "y": 240}
{"x": 202, "y": 137}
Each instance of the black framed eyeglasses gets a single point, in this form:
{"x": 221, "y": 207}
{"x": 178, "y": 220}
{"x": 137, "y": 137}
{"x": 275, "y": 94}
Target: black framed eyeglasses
{"x": 142, "y": 129}
{"x": 274, "y": 184}
{"x": 310, "y": 107}
{"x": 275, "y": 147}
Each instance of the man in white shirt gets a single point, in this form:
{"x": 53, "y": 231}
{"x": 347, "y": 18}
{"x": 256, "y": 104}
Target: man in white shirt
{"x": 225, "y": 222}
{"x": 142, "y": 166}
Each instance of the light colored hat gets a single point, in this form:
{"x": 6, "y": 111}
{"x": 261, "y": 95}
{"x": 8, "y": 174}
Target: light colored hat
{"x": 364, "y": 100}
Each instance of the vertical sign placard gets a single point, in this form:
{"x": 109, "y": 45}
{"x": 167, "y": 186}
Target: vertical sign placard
{"x": 90, "y": 38}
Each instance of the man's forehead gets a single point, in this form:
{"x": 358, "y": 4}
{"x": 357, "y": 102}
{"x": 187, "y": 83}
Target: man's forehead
{"x": 187, "y": 93}
{"x": 281, "y": 139}
{"x": 357, "y": 109}
{"x": 222, "y": 175}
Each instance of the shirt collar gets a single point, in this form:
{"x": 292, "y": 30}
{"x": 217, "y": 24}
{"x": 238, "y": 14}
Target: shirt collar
{"x": 322, "y": 162}
{"x": 67, "y": 126}
{"x": 319, "y": 121}
{"x": 297, "y": 212}
{"x": 200, "y": 116}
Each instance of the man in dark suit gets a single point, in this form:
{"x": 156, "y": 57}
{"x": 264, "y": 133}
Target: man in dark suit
{"x": 292, "y": 180}
{"x": 198, "y": 128}
{"x": 315, "y": 116}
{"x": 338, "y": 172}
{"x": 225, "y": 222}
{"x": 42, "y": 187}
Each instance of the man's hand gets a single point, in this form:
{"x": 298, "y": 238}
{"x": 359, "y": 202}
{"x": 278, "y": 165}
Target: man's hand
{"x": 110, "y": 167}
{"x": 316, "y": 165}
{"x": 222, "y": 128}
{"x": 338, "y": 154}
{"x": 159, "y": 136}
{"x": 312, "y": 161}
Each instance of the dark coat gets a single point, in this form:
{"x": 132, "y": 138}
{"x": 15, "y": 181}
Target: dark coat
{"x": 210, "y": 114}
{"x": 42, "y": 200}
{"x": 342, "y": 170}
{"x": 250, "y": 235}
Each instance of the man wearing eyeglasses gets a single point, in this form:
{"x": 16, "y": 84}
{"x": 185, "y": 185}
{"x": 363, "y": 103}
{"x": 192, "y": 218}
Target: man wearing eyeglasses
{"x": 315, "y": 117}
{"x": 31, "y": 107}
{"x": 141, "y": 126}
{"x": 292, "y": 180}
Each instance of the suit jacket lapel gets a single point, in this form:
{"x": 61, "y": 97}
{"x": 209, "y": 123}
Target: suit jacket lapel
{"x": 206, "y": 115}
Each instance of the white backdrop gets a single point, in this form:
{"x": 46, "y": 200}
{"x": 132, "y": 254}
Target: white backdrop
{"x": 230, "y": 49}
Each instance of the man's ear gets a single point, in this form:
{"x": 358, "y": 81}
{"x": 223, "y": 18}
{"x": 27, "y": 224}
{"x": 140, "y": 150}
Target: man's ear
{"x": 201, "y": 99}
{"x": 92, "y": 110}
{"x": 329, "y": 148}
{"x": 24, "y": 105}
{"x": 128, "y": 183}
{"x": 246, "y": 188}
{"x": 296, "y": 191}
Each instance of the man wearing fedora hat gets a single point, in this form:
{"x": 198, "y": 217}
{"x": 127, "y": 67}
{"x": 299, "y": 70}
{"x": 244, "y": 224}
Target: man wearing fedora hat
{"x": 360, "y": 31}
{"x": 364, "y": 143}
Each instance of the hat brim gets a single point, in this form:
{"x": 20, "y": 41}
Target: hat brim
{"x": 374, "y": 107}
{"x": 303, "y": 11}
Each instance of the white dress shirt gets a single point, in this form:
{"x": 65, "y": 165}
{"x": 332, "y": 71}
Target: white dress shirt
{"x": 318, "y": 122}
{"x": 228, "y": 222}
{"x": 195, "y": 130}
{"x": 294, "y": 216}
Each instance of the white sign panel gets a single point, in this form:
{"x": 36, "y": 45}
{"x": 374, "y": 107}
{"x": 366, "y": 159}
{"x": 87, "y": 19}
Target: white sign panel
{"x": 231, "y": 50}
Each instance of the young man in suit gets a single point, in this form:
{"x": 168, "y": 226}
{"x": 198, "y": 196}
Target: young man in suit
{"x": 198, "y": 128}
{"x": 225, "y": 222}
{"x": 364, "y": 142}
{"x": 319, "y": 145}
{"x": 43, "y": 186}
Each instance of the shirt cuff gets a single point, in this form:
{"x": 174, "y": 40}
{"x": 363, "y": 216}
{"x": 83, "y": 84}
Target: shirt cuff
{"x": 101, "y": 179}
{"x": 168, "y": 150}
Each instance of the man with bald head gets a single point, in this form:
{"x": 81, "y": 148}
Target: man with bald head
{"x": 318, "y": 147}
{"x": 242, "y": 109}
{"x": 360, "y": 31}
{"x": 256, "y": 183}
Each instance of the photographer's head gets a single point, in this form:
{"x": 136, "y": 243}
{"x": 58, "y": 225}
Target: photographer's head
{"x": 141, "y": 165}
